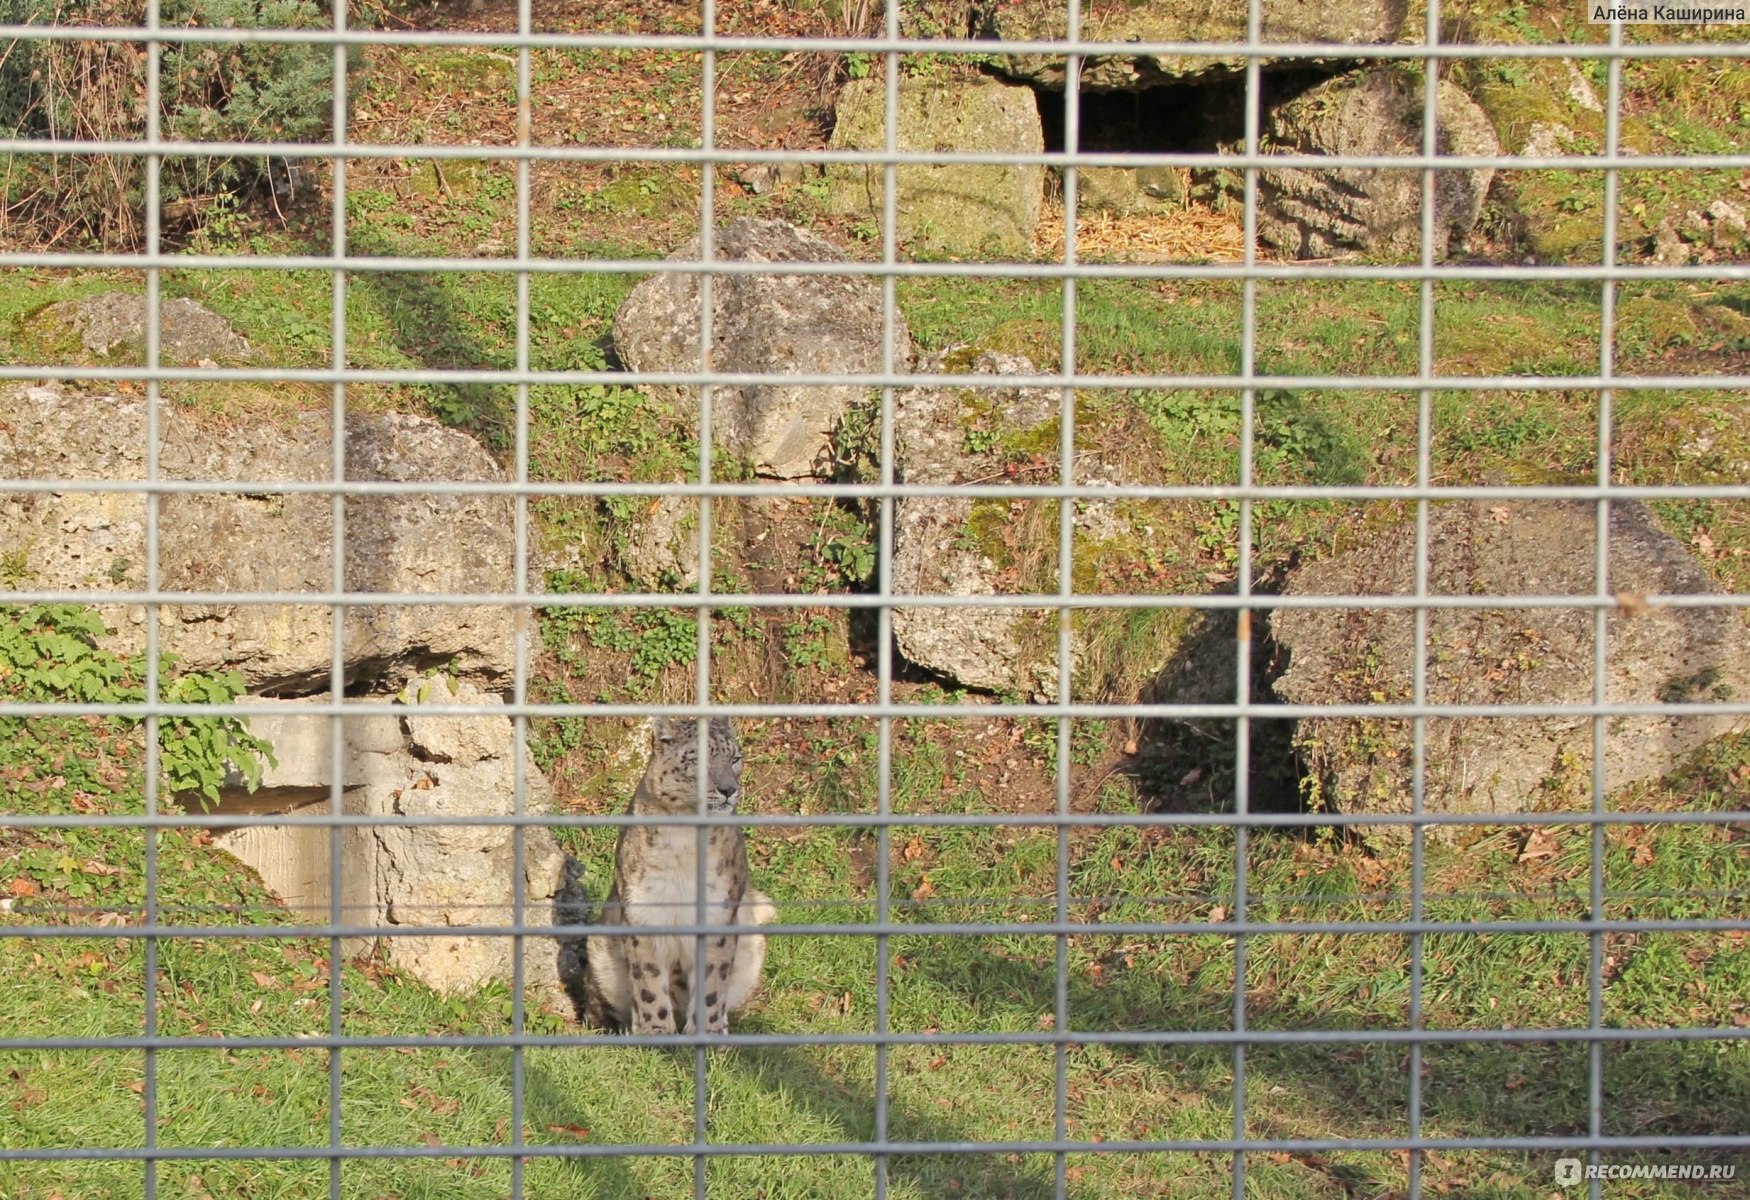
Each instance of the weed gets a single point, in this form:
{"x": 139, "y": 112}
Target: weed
{"x": 652, "y": 639}
{"x": 1704, "y": 684}
{"x": 14, "y": 567}
{"x": 808, "y": 642}
{"x": 52, "y": 652}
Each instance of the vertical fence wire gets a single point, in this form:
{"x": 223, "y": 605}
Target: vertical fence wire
{"x": 1243, "y": 570}
{"x": 1431, "y": 68}
{"x": 885, "y": 588}
{"x": 521, "y": 614}
{"x": 1064, "y": 1040}
{"x": 154, "y": 344}
{"x": 1601, "y": 617}
{"x": 1072, "y": 124}
{"x": 338, "y": 884}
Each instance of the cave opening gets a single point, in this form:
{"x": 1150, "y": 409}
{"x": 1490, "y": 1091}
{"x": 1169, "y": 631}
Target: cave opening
{"x": 1200, "y": 117}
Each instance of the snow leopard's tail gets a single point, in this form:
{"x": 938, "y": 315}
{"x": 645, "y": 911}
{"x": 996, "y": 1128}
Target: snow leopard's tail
{"x": 572, "y": 907}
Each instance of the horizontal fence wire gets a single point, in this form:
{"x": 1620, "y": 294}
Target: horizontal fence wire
{"x": 1600, "y": 907}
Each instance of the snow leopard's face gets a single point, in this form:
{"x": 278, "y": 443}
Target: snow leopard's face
{"x": 673, "y": 773}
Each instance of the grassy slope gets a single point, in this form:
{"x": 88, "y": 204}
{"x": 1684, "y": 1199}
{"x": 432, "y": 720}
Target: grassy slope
{"x": 93, "y": 985}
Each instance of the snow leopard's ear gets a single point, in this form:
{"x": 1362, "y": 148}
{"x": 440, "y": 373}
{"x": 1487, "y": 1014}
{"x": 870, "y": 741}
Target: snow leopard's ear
{"x": 670, "y": 731}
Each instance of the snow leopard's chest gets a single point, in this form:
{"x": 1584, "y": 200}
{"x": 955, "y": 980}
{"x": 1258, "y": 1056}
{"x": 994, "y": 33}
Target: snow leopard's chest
{"x": 661, "y": 887}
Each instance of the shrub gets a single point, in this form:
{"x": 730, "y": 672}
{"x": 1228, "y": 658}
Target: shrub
{"x": 50, "y": 653}
{"x": 92, "y": 90}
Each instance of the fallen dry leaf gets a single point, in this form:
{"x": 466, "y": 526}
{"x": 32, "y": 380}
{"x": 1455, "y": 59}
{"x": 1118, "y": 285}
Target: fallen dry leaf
{"x": 1541, "y": 844}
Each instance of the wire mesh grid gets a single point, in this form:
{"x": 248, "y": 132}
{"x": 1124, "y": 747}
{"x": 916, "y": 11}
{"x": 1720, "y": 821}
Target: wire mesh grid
{"x": 1407, "y": 912}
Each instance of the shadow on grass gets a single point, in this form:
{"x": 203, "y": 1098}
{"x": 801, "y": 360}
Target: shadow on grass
{"x": 548, "y": 1107}
{"x": 849, "y": 1107}
{"x": 430, "y": 328}
{"x": 798, "y": 1076}
{"x": 1359, "y": 1088}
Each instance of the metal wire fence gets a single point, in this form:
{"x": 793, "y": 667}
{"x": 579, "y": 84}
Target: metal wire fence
{"x": 1407, "y": 910}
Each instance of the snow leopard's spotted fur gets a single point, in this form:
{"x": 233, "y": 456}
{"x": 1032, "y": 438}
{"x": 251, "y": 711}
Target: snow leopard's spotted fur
{"x": 648, "y": 982}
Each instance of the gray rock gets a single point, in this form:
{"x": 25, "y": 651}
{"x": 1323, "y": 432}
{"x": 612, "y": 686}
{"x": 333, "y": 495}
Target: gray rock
{"x": 1129, "y": 190}
{"x": 935, "y": 551}
{"x": 952, "y": 208}
{"x": 1727, "y": 223}
{"x": 662, "y": 547}
{"x": 1367, "y": 22}
{"x": 1377, "y": 111}
{"x": 1517, "y": 656}
{"x": 781, "y": 324}
{"x": 398, "y": 872}
{"x": 400, "y": 546}
{"x": 113, "y": 325}
{"x": 1542, "y": 107}
{"x": 957, "y": 546}
{"x": 761, "y": 178}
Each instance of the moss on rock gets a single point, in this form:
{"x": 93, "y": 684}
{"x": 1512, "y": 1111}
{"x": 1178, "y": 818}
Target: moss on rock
{"x": 950, "y": 208}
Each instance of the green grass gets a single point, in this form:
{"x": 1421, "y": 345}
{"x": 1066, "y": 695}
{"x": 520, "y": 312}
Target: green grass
{"x": 279, "y": 986}
{"x": 91, "y": 986}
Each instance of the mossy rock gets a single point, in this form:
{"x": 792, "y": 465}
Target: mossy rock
{"x": 110, "y": 327}
{"x": 1321, "y": 212}
{"x": 1500, "y": 656}
{"x": 477, "y": 69}
{"x": 949, "y": 208}
{"x": 950, "y": 545}
{"x": 1553, "y": 106}
{"x": 647, "y": 194}
{"x": 1129, "y": 190}
{"x": 1368, "y": 22}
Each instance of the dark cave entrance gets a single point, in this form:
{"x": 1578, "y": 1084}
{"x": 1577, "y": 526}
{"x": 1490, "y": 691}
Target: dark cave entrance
{"x": 1198, "y": 117}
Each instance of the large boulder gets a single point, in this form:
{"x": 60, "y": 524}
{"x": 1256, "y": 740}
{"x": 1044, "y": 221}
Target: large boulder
{"x": 112, "y": 326}
{"x": 398, "y": 545}
{"x": 1317, "y": 213}
{"x": 1542, "y": 107}
{"x": 777, "y": 323}
{"x": 960, "y": 546}
{"x": 1368, "y": 22}
{"x": 936, "y": 548}
{"x": 1506, "y": 656}
{"x": 1129, "y": 190}
{"x": 396, "y": 871}
{"x": 954, "y": 208}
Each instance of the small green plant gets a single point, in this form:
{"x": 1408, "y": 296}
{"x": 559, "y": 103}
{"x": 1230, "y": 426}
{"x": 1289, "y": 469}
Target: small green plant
{"x": 808, "y": 642}
{"x": 14, "y": 567}
{"x": 844, "y": 550}
{"x": 51, "y": 652}
{"x": 853, "y": 556}
{"x": 1698, "y": 686}
{"x": 979, "y": 441}
{"x": 653, "y": 639}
